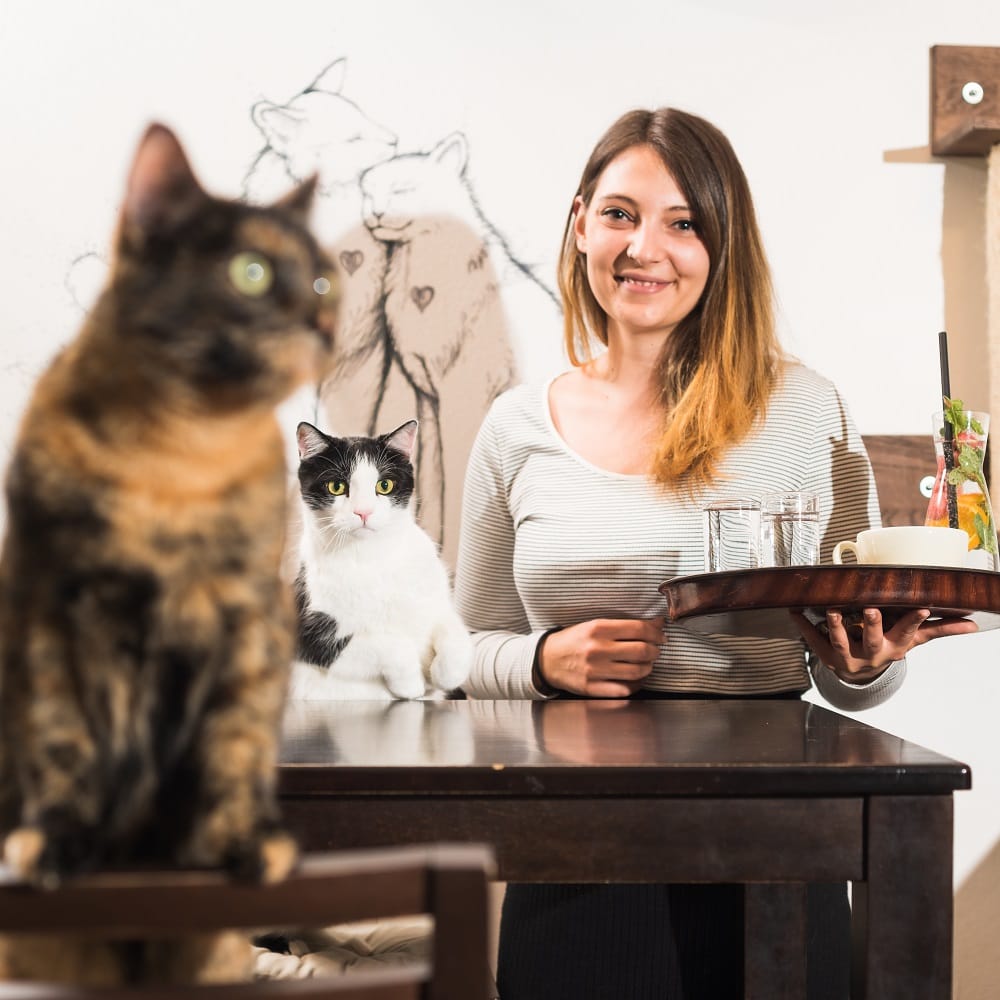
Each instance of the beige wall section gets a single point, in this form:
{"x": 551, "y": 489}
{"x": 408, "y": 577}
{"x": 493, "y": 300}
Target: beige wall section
{"x": 992, "y": 339}
{"x": 977, "y": 915}
{"x": 964, "y": 274}
{"x": 977, "y": 901}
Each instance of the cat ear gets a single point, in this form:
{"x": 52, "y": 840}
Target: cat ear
{"x": 453, "y": 152}
{"x": 299, "y": 201}
{"x": 403, "y": 437}
{"x": 331, "y": 78}
{"x": 310, "y": 440}
{"x": 162, "y": 189}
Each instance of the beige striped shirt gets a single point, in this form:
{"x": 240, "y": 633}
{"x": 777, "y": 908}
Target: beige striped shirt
{"x": 549, "y": 540}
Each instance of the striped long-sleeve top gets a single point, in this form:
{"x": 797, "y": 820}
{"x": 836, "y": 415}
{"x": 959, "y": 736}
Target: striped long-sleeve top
{"x": 550, "y": 540}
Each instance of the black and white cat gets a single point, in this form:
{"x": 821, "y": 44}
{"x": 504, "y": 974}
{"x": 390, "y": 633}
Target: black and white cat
{"x": 376, "y": 618}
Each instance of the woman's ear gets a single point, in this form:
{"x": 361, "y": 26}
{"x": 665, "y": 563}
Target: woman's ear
{"x": 579, "y": 223}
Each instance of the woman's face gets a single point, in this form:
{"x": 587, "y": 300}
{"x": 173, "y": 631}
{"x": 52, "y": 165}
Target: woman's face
{"x": 646, "y": 263}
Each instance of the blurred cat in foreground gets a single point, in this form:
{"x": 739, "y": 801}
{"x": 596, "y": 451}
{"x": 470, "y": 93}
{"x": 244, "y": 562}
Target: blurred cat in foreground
{"x": 145, "y": 633}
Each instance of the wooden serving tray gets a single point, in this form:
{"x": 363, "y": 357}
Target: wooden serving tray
{"x": 756, "y": 601}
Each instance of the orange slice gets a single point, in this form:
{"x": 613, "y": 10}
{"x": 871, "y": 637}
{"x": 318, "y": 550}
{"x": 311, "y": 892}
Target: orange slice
{"x": 969, "y": 505}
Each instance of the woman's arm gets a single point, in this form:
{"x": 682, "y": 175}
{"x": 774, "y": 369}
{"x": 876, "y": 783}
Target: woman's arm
{"x": 485, "y": 593}
{"x": 856, "y": 697}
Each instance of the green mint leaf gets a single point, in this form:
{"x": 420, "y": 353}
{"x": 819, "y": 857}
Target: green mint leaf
{"x": 954, "y": 413}
{"x": 987, "y": 537}
{"x": 968, "y": 460}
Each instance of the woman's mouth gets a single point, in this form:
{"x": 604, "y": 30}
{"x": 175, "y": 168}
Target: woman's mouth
{"x": 637, "y": 284}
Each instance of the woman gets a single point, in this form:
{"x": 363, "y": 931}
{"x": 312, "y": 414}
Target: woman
{"x": 580, "y": 499}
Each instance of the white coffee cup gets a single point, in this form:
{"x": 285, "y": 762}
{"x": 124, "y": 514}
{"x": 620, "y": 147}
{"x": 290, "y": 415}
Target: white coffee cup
{"x": 908, "y": 545}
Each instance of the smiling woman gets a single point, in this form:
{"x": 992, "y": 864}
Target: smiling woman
{"x": 646, "y": 263}
{"x": 719, "y": 366}
{"x": 584, "y": 495}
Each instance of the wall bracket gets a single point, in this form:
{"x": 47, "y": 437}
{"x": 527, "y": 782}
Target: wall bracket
{"x": 965, "y": 99}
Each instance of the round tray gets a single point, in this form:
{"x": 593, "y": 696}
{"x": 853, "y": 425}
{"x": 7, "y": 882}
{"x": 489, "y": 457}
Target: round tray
{"x": 756, "y": 601}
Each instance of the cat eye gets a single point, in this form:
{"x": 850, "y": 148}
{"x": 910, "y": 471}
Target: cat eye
{"x": 384, "y": 486}
{"x": 251, "y": 273}
{"x": 337, "y": 487}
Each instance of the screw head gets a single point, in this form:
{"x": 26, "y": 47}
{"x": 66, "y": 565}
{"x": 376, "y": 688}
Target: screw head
{"x": 972, "y": 92}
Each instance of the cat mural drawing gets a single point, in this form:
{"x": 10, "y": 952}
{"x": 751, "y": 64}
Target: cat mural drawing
{"x": 439, "y": 314}
{"x": 320, "y": 131}
{"x": 146, "y": 635}
{"x": 376, "y": 619}
{"x": 454, "y": 297}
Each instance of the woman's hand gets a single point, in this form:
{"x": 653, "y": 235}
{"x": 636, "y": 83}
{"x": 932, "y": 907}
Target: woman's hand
{"x": 859, "y": 654}
{"x": 604, "y": 658}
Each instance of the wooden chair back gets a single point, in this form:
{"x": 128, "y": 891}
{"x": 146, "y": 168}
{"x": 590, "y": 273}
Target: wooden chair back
{"x": 449, "y": 882}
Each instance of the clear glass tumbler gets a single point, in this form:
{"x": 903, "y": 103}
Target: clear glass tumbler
{"x": 732, "y": 534}
{"x": 789, "y": 529}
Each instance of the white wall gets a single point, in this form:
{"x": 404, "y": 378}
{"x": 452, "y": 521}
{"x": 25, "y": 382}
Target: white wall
{"x": 875, "y": 245}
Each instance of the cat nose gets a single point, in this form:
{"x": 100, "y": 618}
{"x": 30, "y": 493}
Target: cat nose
{"x": 363, "y": 514}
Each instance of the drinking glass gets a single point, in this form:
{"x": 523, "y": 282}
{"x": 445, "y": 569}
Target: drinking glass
{"x": 732, "y": 534}
{"x": 960, "y": 498}
{"x": 789, "y": 529}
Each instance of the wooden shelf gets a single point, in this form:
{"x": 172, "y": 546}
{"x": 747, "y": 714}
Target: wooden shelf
{"x": 959, "y": 128}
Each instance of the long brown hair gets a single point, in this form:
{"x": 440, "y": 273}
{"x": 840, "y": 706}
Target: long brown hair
{"x": 718, "y": 368}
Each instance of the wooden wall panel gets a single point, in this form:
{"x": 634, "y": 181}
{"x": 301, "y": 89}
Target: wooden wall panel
{"x": 900, "y": 462}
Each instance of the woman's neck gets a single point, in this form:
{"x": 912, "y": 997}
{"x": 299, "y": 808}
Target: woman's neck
{"x": 628, "y": 370}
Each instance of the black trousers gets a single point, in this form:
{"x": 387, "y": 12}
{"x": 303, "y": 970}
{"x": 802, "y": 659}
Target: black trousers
{"x": 651, "y": 942}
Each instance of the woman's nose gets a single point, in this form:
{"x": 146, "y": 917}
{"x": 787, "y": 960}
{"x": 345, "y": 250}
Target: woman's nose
{"x": 645, "y": 246}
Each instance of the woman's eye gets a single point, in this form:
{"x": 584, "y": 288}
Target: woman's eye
{"x": 251, "y": 274}
{"x": 384, "y": 486}
{"x": 616, "y": 215}
{"x": 686, "y": 225}
{"x": 337, "y": 487}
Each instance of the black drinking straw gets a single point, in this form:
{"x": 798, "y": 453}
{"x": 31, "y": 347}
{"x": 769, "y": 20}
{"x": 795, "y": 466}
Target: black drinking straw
{"x": 947, "y": 431}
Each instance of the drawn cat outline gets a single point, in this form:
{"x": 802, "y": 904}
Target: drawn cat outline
{"x": 320, "y": 130}
{"x": 465, "y": 318}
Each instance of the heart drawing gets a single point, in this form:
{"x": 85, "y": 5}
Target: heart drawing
{"x": 351, "y": 260}
{"x": 422, "y": 296}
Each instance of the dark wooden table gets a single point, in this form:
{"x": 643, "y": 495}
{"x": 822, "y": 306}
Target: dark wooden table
{"x": 772, "y": 794}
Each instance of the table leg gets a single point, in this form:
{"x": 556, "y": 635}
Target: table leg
{"x": 902, "y": 913}
{"x": 774, "y": 963}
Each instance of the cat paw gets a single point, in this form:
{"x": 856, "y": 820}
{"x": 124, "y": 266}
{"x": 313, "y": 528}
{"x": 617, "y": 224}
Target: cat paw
{"x": 278, "y": 853}
{"x": 409, "y": 685}
{"x": 45, "y": 858}
{"x": 22, "y": 852}
{"x": 268, "y": 859}
{"x": 451, "y": 665}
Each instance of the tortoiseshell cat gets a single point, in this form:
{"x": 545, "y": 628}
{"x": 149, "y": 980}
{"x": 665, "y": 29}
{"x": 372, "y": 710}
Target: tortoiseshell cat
{"x": 145, "y": 634}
